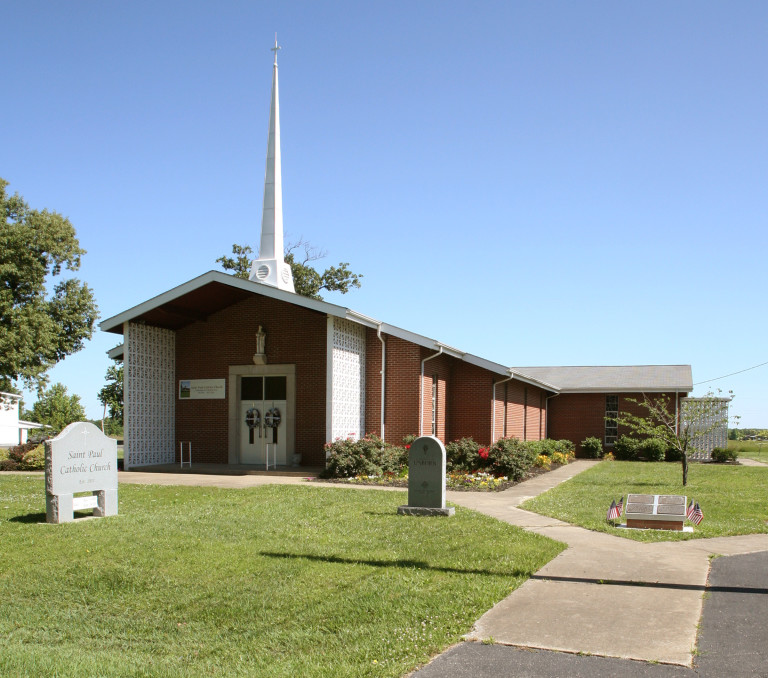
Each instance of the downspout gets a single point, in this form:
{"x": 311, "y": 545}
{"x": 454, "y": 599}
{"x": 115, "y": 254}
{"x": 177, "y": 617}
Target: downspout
{"x": 493, "y": 405}
{"x": 383, "y": 373}
{"x": 421, "y": 391}
{"x": 546, "y": 414}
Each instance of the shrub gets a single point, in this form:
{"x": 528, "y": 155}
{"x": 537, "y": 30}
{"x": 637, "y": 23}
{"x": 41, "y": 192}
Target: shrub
{"x": 462, "y": 455}
{"x": 625, "y": 449}
{"x": 722, "y": 455}
{"x": 672, "y": 454}
{"x": 512, "y": 458}
{"x": 543, "y": 461}
{"x": 561, "y": 458}
{"x": 26, "y": 457}
{"x": 651, "y": 449}
{"x": 348, "y": 457}
{"x": 592, "y": 448}
{"x": 394, "y": 460}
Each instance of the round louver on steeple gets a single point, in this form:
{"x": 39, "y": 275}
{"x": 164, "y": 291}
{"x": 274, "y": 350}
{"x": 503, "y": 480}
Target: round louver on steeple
{"x": 262, "y": 272}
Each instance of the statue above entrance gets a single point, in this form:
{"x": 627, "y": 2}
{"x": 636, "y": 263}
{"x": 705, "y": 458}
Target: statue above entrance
{"x": 260, "y": 357}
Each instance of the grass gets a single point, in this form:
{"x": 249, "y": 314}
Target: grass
{"x": 270, "y": 581}
{"x": 750, "y": 449}
{"x": 733, "y": 498}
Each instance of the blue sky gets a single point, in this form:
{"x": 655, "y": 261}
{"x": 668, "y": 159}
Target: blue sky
{"x": 537, "y": 183}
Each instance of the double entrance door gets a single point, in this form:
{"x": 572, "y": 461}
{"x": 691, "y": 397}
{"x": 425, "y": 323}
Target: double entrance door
{"x": 263, "y": 419}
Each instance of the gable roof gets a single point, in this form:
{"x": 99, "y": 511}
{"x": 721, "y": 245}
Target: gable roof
{"x": 614, "y": 379}
{"x": 213, "y": 291}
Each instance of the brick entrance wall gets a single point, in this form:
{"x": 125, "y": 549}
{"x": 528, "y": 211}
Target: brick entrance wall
{"x": 206, "y": 349}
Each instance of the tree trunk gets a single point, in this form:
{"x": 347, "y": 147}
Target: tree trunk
{"x": 685, "y": 469}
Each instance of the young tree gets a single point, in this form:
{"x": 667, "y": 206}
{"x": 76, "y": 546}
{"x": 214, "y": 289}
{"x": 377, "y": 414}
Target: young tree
{"x": 680, "y": 431}
{"x": 56, "y": 408}
{"x": 37, "y": 329}
{"x": 307, "y": 281}
{"x": 111, "y": 395}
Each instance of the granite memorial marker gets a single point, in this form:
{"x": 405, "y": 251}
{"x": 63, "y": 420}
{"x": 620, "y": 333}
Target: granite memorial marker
{"x": 426, "y": 479}
{"x": 80, "y": 459}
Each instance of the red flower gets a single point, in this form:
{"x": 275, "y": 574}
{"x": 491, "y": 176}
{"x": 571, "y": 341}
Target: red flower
{"x": 483, "y": 453}
{"x": 407, "y": 447}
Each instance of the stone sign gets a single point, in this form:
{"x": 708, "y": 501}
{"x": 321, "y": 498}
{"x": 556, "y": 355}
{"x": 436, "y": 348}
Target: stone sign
{"x": 80, "y": 459}
{"x": 426, "y": 479}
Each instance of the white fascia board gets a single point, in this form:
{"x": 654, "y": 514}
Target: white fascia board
{"x": 629, "y": 389}
{"x": 224, "y": 279}
{"x": 518, "y": 376}
{"x": 30, "y": 424}
{"x": 400, "y": 333}
{"x": 117, "y": 352}
{"x": 15, "y": 396}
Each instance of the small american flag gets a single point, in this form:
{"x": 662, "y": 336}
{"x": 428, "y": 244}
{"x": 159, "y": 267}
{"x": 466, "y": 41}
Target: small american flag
{"x": 613, "y": 512}
{"x": 620, "y": 506}
{"x": 689, "y": 512}
{"x": 697, "y": 515}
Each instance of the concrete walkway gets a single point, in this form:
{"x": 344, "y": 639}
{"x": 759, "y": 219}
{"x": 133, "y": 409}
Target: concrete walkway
{"x": 604, "y": 595}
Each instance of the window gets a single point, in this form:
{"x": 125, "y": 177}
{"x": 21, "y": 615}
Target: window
{"x": 611, "y": 419}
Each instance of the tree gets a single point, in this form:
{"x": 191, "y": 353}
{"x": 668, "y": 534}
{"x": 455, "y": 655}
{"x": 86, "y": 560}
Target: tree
{"x": 56, "y": 408}
{"x": 681, "y": 431}
{"x": 37, "y": 329}
{"x": 307, "y": 281}
{"x": 111, "y": 395}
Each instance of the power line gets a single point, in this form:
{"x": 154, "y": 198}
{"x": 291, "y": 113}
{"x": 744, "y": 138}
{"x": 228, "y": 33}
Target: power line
{"x": 754, "y": 367}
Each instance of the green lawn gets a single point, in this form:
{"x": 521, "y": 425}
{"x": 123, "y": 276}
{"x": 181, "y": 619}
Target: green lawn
{"x": 271, "y": 581}
{"x": 750, "y": 449}
{"x": 733, "y": 498}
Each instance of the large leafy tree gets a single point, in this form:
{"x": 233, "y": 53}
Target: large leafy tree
{"x": 682, "y": 431}
{"x": 307, "y": 281}
{"x": 56, "y": 408}
{"x": 38, "y": 328}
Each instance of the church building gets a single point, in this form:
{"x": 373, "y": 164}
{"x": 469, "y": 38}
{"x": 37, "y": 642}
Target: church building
{"x": 247, "y": 372}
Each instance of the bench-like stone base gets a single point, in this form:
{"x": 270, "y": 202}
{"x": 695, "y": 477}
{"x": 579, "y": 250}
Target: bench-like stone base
{"x": 424, "y": 511}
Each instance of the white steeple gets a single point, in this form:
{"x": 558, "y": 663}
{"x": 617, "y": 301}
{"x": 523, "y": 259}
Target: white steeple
{"x": 270, "y": 268}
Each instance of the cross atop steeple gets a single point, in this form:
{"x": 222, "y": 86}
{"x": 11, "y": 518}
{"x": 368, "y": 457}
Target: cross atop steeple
{"x": 270, "y": 268}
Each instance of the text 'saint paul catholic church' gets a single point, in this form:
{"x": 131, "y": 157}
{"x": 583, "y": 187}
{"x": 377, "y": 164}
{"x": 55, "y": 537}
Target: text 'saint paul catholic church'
{"x": 241, "y": 367}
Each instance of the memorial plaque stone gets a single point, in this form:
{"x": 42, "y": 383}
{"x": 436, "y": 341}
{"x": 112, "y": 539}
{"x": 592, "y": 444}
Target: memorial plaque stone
{"x": 426, "y": 479}
{"x": 80, "y": 459}
{"x": 656, "y": 511}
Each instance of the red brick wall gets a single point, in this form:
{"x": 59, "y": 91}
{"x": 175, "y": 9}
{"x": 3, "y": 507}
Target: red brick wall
{"x": 205, "y": 350}
{"x": 401, "y": 399}
{"x": 576, "y": 416}
{"x": 522, "y": 406}
{"x": 469, "y": 402}
{"x": 439, "y": 367}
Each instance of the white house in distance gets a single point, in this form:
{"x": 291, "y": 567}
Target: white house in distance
{"x": 13, "y": 431}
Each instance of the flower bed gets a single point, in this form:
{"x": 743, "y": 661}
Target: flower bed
{"x": 371, "y": 461}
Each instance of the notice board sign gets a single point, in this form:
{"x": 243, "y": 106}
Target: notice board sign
{"x": 202, "y": 389}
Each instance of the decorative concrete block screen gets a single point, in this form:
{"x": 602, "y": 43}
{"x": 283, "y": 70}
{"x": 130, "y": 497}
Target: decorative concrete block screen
{"x": 348, "y": 379}
{"x": 150, "y": 396}
{"x": 718, "y": 417}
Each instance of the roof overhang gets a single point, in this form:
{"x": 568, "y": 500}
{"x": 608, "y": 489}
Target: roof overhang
{"x": 197, "y": 299}
{"x": 200, "y": 297}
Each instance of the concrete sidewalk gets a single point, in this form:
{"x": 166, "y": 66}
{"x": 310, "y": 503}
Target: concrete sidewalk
{"x": 604, "y": 595}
